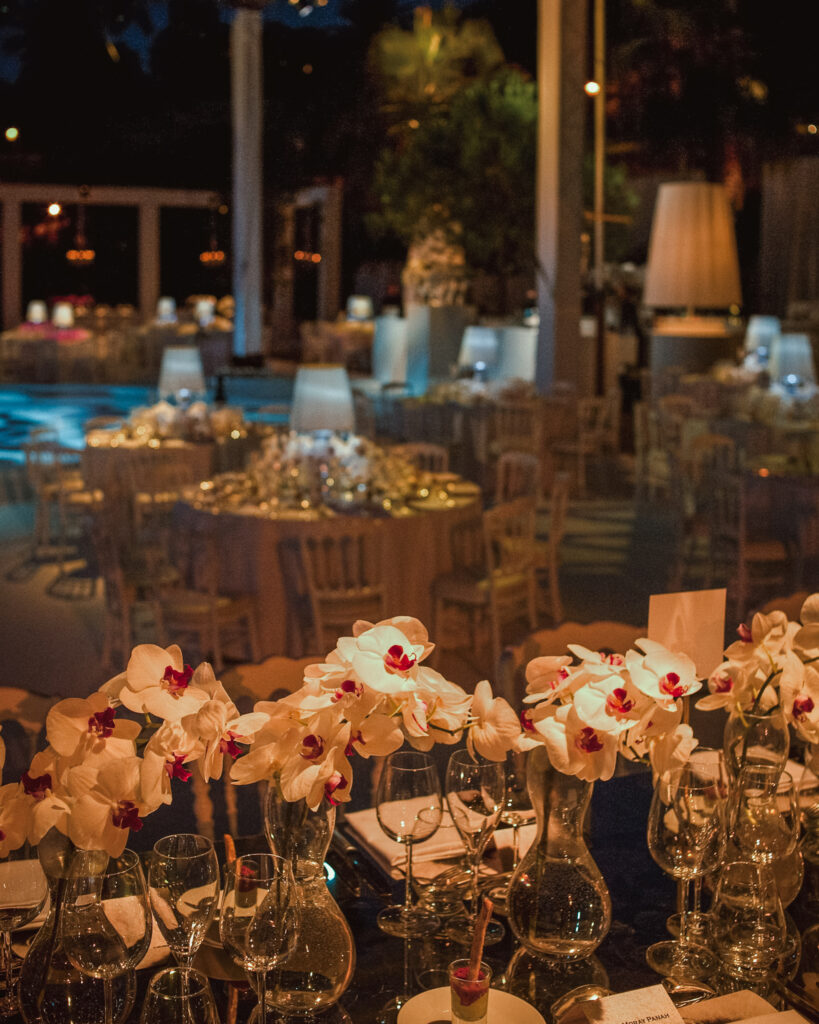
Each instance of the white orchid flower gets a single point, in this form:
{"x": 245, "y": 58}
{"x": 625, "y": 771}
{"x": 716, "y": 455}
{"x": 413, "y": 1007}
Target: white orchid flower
{"x": 612, "y": 704}
{"x": 168, "y": 751}
{"x": 669, "y": 753}
{"x": 575, "y": 748}
{"x": 495, "y": 725}
{"x": 728, "y": 687}
{"x": 383, "y": 659}
{"x": 15, "y": 818}
{"x": 221, "y": 729}
{"x": 107, "y": 805}
{"x": 85, "y": 728}
{"x": 662, "y": 675}
{"x": 160, "y": 683}
{"x": 547, "y": 677}
{"x": 799, "y": 696}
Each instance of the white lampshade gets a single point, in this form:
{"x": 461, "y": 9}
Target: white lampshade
{"x": 479, "y": 348}
{"x": 166, "y": 310}
{"x": 518, "y": 353}
{"x": 36, "y": 312}
{"x": 181, "y": 373}
{"x": 322, "y": 400}
{"x": 359, "y": 307}
{"x": 204, "y": 311}
{"x": 62, "y": 315}
{"x": 390, "y": 350}
{"x": 791, "y": 360}
{"x": 692, "y": 252}
{"x": 761, "y": 331}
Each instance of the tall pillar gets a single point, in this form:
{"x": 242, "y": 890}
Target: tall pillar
{"x": 559, "y": 191}
{"x": 149, "y": 280}
{"x": 247, "y": 107}
{"x": 329, "y": 284}
{"x": 12, "y": 265}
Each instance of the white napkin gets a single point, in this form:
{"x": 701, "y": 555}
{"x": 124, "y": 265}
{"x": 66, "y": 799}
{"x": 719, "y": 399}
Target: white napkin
{"x": 442, "y": 845}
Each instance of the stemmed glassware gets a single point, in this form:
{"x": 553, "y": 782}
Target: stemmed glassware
{"x": 23, "y": 893}
{"x": 409, "y": 808}
{"x": 183, "y": 883}
{"x": 764, "y": 815}
{"x": 686, "y": 837}
{"x": 259, "y": 919}
{"x": 106, "y": 919}
{"x": 475, "y": 795}
{"x": 179, "y": 994}
{"x": 748, "y": 923}
{"x": 517, "y": 812}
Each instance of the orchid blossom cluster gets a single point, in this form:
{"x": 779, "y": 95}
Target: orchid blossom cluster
{"x": 91, "y": 783}
{"x": 371, "y": 694}
{"x": 774, "y": 664}
{"x": 588, "y": 712}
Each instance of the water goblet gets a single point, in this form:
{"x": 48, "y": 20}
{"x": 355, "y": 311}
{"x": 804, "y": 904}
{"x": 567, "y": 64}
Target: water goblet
{"x": 259, "y": 919}
{"x": 763, "y": 815}
{"x": 23, "y": 893}
{"x": 179, "y": 994}
{"x": 409, "y": 808}
{"x": 106, "y": 918}
{"x": 686, "y": 837}
{"x": 748, "y": 923}
{"x": 475, "y": 795}
{"x": 517, "y": 812}
{"x": 183, "y": 884}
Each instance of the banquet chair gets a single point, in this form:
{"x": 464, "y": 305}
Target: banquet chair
{"x": 590, "y": 440}
{"x": 500, "y": 592}
{"x": 192, "y": 605}
{"x": 426, "y": 456}
{"x": 22, "y": 712}
{"x": 609, "y": 636}
{"x": 517, "y": 475}
{"x": 547, "y": 552}
{"x": 273, "y": 677}
{"x": 343, "y": 566}
{"x": 157, "y": 477}
{"x": 52, "y": 470}
{"x": 515, "y": 426}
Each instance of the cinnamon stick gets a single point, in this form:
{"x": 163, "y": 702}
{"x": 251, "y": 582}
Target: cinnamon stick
{"x": 481, "y": 924}
{"x": 230, "y": 848}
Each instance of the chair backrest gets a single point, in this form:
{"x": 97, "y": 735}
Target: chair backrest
{"x": 343, "y": 563}
{"x": 559, "y": 508}
{"x": 517, "y": 475}
{"x": 591, "y": 417}
{"x": 427, "y": 456}
{"x": 25, "y": 712}
{"x": 261, "y": 681}
{"x": 509, "y": 536}
{"x": 711, "y": 455}
{"x": 516, "y": 426}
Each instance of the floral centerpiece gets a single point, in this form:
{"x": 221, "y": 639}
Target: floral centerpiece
{"x": 164, "y": 421}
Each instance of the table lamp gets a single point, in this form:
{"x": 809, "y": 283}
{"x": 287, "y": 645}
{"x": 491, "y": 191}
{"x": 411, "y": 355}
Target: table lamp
{"x": 166, "y": 310}
{"x": 181, "y": 374}
{"x": 62, "y": 315}
{"x": 322, "y": 400}
{"x": 518, "y": 353}
{"x": 390, "y": 350}
{"x": 479, "y": 349}
{"x": 760, "y": 334}
{"x": 692, "y": 265}
{"x": 359, "y": 307}
{"x": 204, "y": 311}
{"x": 36, "y": 312}
{"x": 791, "y": 361}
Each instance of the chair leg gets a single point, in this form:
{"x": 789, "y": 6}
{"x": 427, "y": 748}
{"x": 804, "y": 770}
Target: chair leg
{"x": 554, "y": 591}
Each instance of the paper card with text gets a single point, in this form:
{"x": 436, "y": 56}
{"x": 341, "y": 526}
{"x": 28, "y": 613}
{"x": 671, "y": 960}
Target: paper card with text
{"x": 651, "y": 1005}
{"x": 692, "y": 623}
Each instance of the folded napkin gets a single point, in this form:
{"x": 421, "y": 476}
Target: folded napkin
{"x": 735, "y": 1006}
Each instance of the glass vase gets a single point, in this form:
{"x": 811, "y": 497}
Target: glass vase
{"x": 52, "y": 990}
{"x": 755, "y": 738}
{"x": 321, "y": 967}
{"x": 559, "y": 904}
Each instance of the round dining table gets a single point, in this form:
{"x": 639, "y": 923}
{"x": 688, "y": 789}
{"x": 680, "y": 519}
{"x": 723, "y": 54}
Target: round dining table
{"x": 259, "y": 555}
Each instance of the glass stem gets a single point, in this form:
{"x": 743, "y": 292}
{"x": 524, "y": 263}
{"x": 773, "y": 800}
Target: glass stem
{"x": 7, "y": 958}
{"x": 262, "y": 997}
{"x": 474, "y": 887}
{"x": 108, "y": 988}
{"x": 696, "y": 897}
{"x": 408, "y": 880}
{"x": 515, "y": 846}
{"x": 683, "y": 890}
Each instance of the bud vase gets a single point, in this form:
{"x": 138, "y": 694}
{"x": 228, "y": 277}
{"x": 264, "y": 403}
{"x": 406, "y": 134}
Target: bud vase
{"x": 52, "y": 990}
{"x": 755, "y": 738}
{"x": 321, "y": 966}
{"x": 559, "y": 905}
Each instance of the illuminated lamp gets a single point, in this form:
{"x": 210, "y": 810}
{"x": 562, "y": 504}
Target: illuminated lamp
{"x": 181, "y": 374}
{"x": 518, "y": 352}
{"x": 359, "y": 307}
{"x": 63, "y": 314}
{"x": 36, "y": 312}
{"x": 791, "y": 361}
{"x": 479, "y": 350}
{"x": 322, "y": 400}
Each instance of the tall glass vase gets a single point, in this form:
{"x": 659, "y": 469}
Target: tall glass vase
{"x": 52, "y": 990}
{"x": 755, "y": 738}
{"x": 321, "y": 967}
{"x": 559, "y": 905}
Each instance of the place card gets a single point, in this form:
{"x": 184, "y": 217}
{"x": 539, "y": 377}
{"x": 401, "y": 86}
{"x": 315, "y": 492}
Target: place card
{"x": 650, "y": 1005}
{"x": 691, "y": 622}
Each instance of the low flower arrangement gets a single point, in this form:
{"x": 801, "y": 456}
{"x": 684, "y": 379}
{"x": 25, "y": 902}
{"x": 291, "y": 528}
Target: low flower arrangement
{"x": 98, "y": 777}
{"x": 773, "y": 666}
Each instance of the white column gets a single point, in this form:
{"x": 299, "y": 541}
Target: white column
{"x": 247, "y": 104}
{"x": 561, "y": 63}
{"x": 149, "y": 279}
{"x": 12, "y": 266}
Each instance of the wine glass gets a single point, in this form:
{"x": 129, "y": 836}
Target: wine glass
{"x": 105, "y": 919}
{"x": 764, "y": 815}
{"x": 686, "y": 837}
{"x": 517, "y": 812}
{"x": 23, "y": 892}
{"x": 475, "y": 795}
{"x": 183, "y": 883}
{"x": 179, "y": 994}
{"x": 259, "y": 919}
{"x": 748, "y": 923}
{"x": 409, "y": 808}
